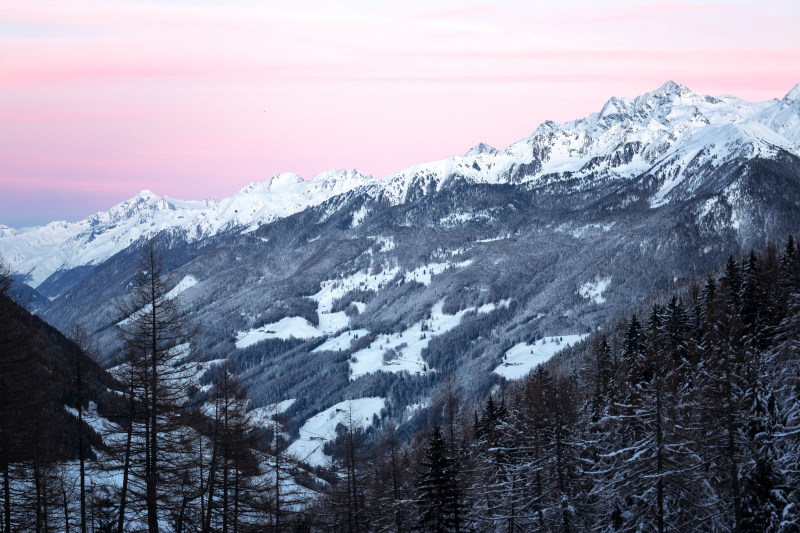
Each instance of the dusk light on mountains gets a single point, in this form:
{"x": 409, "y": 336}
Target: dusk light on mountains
{"x": 432, "y": 266}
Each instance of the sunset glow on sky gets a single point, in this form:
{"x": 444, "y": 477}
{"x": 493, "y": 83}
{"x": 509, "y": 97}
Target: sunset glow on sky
{"x": 194, "y": 99}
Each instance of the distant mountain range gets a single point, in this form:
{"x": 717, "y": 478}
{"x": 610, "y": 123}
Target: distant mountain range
{"x": 348, "y": 287}
{"x": 669, "y": 133}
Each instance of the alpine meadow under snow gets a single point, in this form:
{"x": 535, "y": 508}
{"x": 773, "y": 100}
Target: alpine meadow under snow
{"x": 594, "y": 329}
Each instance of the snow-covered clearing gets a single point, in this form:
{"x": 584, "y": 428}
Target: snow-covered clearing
{"x": 332, "y": 323}
{"x": 331, "y": 290}
{"x": 403, "y": 351}
{"x": 262, "y": 416}
{"x": 494, "y": 239}
{"x": 425, "y": 273}
{"x": 293, "y": 326}
{"x": 321, "y": 427}
{"x": 521, "y": 358}
{"x": 341, "y": 342}
{"x": 593, "y": 290}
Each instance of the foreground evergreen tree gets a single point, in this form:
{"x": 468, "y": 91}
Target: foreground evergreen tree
{"x": 440, "y": 500}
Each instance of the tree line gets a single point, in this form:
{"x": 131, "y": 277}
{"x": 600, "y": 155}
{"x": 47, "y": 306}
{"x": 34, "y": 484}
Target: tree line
{"x": 683, "y": 416}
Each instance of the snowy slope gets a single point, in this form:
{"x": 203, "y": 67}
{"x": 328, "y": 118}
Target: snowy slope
{"x": 321, "y": 428}
{"x": 38, "y": 252}
{"x": 521, "y": 358}
{"x": 669, "y": 133}
{"x": 660, "y": 129}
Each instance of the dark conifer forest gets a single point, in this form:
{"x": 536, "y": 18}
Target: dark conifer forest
{"x": 683, "y": 415}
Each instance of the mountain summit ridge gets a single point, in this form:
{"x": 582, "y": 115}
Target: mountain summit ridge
{"x": 669, "y": 132}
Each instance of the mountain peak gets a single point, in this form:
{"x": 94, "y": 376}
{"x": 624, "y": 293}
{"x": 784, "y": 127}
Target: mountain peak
{"x": 283, "y": 181}
{"x": 793, "y": 95}
{"x": 481, "y": 148}
{"x": 146, "y": 194}
{"x": 671, "y": 89}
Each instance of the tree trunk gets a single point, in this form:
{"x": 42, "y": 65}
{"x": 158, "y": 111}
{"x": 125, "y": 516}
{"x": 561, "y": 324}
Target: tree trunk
{"x": 38, "y": 485}
{"x": 211, "y": 471}
{"x": 152, "y": 478}
{"x": 277, "y": 476}
{"x": 126, "y": 467}
{"x": 66, "y": 510}
{"x": 225, "y": 490}
{"x": 659, "y": 457}
{"x": 81, "y": 456}
{"x": 734, "y": 466}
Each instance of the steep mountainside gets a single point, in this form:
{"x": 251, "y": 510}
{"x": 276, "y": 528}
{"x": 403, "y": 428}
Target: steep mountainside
{"x": 357, "y": 288}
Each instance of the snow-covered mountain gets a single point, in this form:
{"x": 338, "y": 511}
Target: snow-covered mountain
{"x": 345, "y": 287}
{"x": 669, "y": 133}
{"x": 38, "y": 252}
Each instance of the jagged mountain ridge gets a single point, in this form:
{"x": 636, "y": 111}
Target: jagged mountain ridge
{"x": 669, "y": 132}
{"x": 552, "y": 236}
{"x": 38, "y": 252}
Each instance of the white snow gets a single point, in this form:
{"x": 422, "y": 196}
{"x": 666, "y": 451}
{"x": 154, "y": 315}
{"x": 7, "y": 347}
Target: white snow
{"x": 40, "y": 251}
{"x": 425, "y": 273}
{"x": 359, "y": 216}
{"x": 293, "y": 326}
{"x": 263, "y": 416}
{"x": 458, "y": 218}
{"x": 321, "y": 427}
{"x": 520, "y": 359}
{"x": 186, "y": 283}
{"x": 494, "y": 239}
{"x": 404, "y": 349}
{"x": 286, "y": 328}
{"x": 332, "y": 290}
{"x": 667, "y": 132}
{"x": 341, "y": 342}
{"x": 593, "y": 290}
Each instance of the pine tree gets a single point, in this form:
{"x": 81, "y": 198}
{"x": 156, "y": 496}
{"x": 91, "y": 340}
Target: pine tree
{"x": 439, "y": 499}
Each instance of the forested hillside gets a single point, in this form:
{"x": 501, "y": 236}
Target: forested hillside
{"x": 683, "y": 416}
{"x": 155, "y": 444}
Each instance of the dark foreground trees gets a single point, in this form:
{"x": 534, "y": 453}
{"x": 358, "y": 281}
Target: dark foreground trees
{"x": 685, "y": 416}
{"x": 156, "y": 340}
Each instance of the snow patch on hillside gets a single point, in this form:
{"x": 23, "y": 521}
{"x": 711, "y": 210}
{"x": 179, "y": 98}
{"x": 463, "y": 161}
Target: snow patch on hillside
{"x": 331, "y": 323}
{"x": 425, "y": 273}
{"x": 185, "y": 283}
{"x": 263, "y": 416}
{"x": 331, "y": 290}
{"x": 402, "y": 351}
{"x": 521, "y": 358}
{"x": 293, "y": 326}
{"x": 341, "y": 342}
{"x": 593, "y": 290}
{"x": 359, "y": 216}
{"x": 321, "y": 428}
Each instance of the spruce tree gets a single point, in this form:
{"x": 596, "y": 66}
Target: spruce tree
{"x": 439, "y": 498}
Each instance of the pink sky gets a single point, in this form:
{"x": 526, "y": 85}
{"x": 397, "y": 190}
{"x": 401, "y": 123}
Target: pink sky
{"x": 195, "y": 99}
